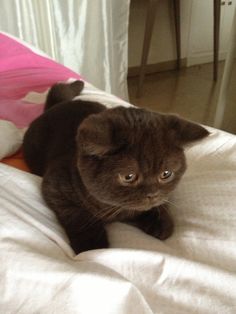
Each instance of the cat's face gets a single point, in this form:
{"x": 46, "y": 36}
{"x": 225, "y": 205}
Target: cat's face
{"x": 132, "y": 158}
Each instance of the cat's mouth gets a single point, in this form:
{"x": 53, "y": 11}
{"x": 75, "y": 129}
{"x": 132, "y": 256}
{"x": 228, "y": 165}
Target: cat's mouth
{"x": 145, "y": 205}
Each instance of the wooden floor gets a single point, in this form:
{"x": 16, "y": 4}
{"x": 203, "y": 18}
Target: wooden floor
{"x": 190, "y": 93}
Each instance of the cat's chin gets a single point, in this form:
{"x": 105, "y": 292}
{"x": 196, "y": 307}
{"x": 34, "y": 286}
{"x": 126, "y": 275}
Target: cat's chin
{"x": 144, "y": 207}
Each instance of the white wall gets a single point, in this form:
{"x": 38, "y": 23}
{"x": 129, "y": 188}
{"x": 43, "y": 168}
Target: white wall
{"x": 196, "y": 31}
{"x": 201, "y": 31}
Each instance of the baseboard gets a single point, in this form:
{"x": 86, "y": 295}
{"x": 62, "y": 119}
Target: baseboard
{"x": 157, "y": 67}
{"x": 171, "y": 65}
{"x": 204, "y": 58}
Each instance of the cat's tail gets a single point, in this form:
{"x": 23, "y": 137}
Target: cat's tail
{"x": 61, "y": 92}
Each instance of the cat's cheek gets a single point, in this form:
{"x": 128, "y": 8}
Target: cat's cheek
{"x": 102, "y": 191}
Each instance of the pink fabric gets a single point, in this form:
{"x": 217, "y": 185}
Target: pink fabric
{"x": 23, "y": 71}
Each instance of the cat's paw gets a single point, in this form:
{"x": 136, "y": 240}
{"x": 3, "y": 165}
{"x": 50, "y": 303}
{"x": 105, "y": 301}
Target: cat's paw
{"x": 156, "y": 222}
{"x": 164, "y": 226}
{"x": 87, "y": 241}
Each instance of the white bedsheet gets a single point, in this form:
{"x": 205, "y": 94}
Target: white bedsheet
{"x": 10, "y": 138}
{"x": 192, "y": 272}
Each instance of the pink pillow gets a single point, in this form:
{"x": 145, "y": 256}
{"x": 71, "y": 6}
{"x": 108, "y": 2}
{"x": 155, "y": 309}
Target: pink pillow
{"x": 23, "y": 71}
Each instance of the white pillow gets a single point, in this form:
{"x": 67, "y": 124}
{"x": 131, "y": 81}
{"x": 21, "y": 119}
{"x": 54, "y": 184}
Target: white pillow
{"x": 10, "y": 139}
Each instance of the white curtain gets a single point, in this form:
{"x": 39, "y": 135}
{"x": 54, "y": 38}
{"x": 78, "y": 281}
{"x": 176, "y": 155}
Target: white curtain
{"x": 88, "y": 36}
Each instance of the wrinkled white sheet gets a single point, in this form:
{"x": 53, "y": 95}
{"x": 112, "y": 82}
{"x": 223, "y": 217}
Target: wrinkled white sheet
{"x": 10, "y": 138}
{"x": 192, "y": 272}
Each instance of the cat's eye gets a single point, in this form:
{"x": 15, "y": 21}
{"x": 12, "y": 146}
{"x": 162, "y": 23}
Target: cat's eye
{"x": 128, "y": 178}
{"x": 166, "y": 176}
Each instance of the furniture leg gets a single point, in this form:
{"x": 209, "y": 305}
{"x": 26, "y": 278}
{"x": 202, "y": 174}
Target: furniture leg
{"x": 150, "y": 19}
{"x": 177, "y": 32}
{"x": 217, "y": 4}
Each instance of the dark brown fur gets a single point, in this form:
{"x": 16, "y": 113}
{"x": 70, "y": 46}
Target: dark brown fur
{"x": 84, "y": 151}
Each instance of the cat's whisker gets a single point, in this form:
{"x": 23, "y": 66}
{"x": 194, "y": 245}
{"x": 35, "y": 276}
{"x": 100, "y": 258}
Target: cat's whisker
{"x": 171, "y": 203}
{"x": 100, "y": 215}
{"x": 105, "y": 210}
{"x": 131, "y": 213}
{"x": 92, "y": 220}
{"x": 113, "y": 213}
{"x": 108, "y": 213}
{"x": 88, "y": 223}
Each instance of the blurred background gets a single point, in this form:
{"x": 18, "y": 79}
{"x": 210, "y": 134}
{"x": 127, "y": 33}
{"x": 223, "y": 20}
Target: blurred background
{"x": 165, "y": 55}
{"x": 192, "y": 91}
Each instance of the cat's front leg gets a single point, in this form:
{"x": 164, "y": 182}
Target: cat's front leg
{"x": 84, "y": 232}
{"x": 156, "y": 222}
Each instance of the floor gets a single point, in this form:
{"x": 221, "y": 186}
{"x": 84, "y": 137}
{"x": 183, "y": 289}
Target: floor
{"x": 190, "y": 93}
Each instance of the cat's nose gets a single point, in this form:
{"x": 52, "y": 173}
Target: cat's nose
{"x": 152, "y": 195}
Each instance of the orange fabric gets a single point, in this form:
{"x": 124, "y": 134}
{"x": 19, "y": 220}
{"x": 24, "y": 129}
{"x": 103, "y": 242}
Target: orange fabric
{"x": 16, "y": 161}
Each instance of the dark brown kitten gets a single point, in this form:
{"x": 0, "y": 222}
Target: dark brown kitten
{"x": 101, "y": 165}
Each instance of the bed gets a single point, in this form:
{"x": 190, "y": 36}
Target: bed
{"x": 194, "y": 271}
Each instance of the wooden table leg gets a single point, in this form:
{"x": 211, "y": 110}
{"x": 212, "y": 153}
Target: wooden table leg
{"x": 177, "y": 32}
{"x": 217, "y": 4}
{"x": 150, "y": 19}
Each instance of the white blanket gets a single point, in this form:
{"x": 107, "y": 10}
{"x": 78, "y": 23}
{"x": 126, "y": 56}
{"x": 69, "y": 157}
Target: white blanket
{"x": 194, "y": 271}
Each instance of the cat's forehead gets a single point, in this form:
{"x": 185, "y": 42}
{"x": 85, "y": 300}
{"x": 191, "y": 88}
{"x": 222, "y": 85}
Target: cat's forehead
{"x": 145, "y": 137}
{"x": 148, "y": 155}
{"x": 139, "y": 127}
{"x": 140, "y": 118}
{"x": 149, "y": 160}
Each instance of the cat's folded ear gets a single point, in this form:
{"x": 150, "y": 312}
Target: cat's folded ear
{"x": 183, "y": 131}
{"x": 94, "y": 136}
